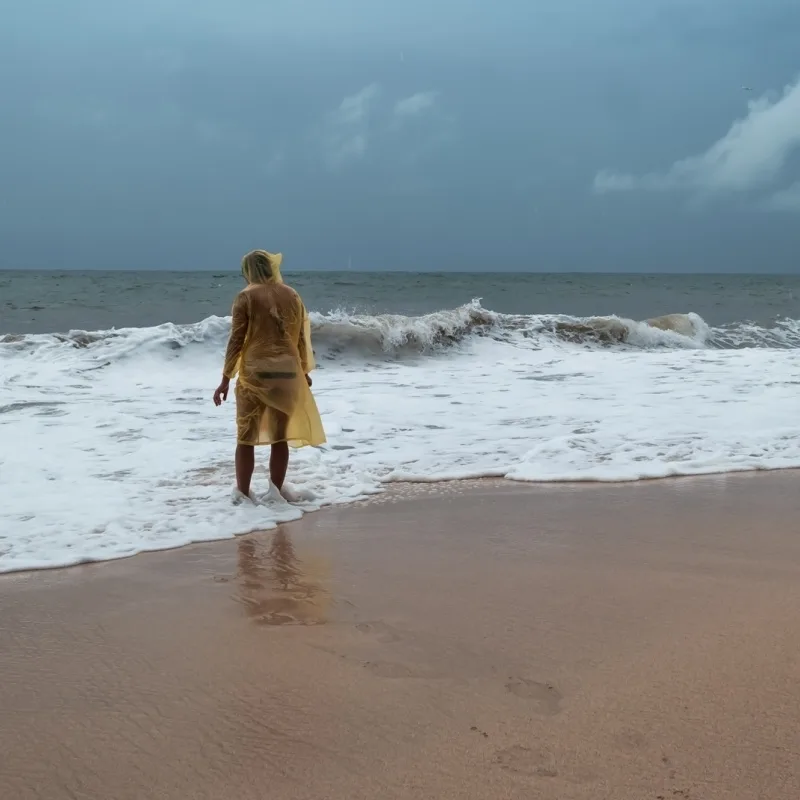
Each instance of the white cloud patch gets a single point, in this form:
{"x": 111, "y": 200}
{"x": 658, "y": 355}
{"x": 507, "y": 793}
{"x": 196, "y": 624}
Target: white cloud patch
{"x": 366, "y": 125}
{"x": 415, "y": 105}
{"x": 751, "y": 155}
{"x": 347, "y": 130}
{"x": 784, "y": 200}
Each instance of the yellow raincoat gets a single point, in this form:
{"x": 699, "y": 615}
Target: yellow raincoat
{"x": 270, "y": 349}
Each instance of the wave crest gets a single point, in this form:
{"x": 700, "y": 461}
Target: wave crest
{"x": 339, "y": 335}
{"x": 393, "y": 334}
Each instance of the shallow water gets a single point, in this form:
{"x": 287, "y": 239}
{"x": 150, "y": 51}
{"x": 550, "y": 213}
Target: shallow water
{"x": 110, "y": 445}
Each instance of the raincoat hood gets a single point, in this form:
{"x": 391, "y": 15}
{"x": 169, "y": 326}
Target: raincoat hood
{"x": 259, "y": 266}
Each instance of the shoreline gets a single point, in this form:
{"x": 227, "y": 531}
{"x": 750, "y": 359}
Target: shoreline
{"x": 480, "y": 639}
{"x": 407, "y": 488}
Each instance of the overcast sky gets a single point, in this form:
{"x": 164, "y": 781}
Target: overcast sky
{"x": 422, "y": 134}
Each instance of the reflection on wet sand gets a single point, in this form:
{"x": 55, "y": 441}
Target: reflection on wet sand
{"x": 276, "y": 586}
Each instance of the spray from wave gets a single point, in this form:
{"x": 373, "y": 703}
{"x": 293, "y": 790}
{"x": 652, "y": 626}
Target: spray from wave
{"x": 339, "y": 335}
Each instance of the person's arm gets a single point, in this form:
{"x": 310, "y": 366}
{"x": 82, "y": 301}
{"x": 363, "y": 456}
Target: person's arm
{"x": 240, "y": 320}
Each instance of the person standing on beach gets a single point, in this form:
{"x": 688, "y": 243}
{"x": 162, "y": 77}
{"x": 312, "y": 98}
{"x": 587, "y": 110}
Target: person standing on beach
{"x": 270, "y": 350}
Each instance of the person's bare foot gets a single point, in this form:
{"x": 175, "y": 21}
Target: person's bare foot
{"x": 237, "y": 497}
{"x": 297, "y": 494}
{"x": 272, "y": 495}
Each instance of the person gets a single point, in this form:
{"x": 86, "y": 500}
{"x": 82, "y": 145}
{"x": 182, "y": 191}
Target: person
{"x": 270, "y": 350}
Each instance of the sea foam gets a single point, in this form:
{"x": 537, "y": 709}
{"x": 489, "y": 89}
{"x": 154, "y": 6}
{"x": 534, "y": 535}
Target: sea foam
{"x": 110, "y": 445}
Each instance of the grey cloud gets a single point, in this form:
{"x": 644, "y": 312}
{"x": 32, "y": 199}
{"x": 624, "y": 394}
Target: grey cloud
{"x": 181, "y": 132}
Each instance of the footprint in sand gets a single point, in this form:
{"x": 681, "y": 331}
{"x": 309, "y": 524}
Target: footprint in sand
{"x": 527, "y": 761}
{"x": 546, "y": 697}
{"x": 380, "y": 631}
{"x": 536, "y": 762}
{"x": 389, "y": 669}
{"x": 629, "y": 740}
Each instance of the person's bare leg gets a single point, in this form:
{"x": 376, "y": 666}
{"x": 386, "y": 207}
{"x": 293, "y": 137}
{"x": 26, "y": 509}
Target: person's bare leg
{"x": 279, "y": 453}
{"x": 245, "y": 464}
{"x": 278, "y": 463}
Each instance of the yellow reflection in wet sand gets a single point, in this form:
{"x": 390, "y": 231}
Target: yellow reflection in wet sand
{"x": 276, "y": 586}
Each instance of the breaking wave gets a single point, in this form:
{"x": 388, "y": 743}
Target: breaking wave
{"x": 340, "y": 335}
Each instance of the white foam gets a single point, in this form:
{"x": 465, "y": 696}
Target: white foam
{"x": 116, "y": 448}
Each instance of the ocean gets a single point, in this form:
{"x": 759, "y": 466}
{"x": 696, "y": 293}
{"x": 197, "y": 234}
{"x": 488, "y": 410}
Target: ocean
{"x": 110, "y": 444}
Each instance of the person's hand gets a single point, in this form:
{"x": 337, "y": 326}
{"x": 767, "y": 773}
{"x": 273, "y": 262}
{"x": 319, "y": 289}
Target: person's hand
{"x": 221, "y": 392}
{"x": 309, "y": 381}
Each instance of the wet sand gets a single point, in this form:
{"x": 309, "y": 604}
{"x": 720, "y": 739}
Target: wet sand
{"x": 479, "y": 640}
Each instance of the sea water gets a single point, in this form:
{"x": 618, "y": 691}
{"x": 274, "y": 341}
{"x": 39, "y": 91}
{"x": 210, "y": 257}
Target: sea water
{"x": 110, "y": 445}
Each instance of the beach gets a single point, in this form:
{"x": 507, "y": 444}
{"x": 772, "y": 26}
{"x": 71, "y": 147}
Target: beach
{"x": 478, "y": 639}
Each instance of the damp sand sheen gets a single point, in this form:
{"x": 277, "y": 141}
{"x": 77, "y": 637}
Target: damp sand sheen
{"x": 466, "y": 640}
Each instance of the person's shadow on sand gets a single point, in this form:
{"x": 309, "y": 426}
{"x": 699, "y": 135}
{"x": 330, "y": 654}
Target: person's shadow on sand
{"x": 276, "y": 586}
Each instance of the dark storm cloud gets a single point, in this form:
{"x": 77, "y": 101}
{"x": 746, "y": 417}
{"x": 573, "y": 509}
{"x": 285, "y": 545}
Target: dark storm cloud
{"x": 404, "y": 135}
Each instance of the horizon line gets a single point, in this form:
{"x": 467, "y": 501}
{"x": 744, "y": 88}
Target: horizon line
{"x": 308, "y": 271}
